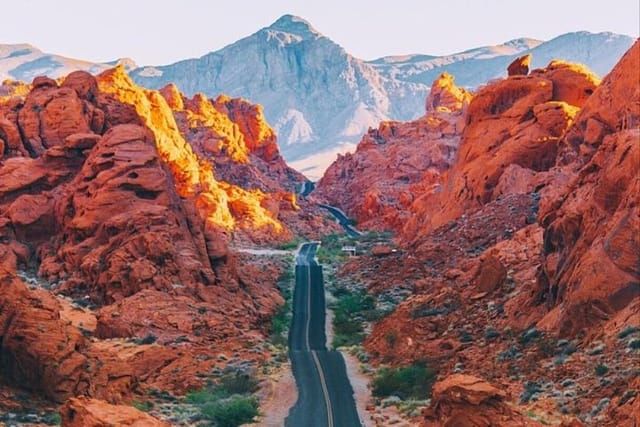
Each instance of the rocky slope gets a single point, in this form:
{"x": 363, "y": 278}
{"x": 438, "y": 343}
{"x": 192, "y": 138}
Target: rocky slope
{"x": 398, "y": 161}
{"x": 116, "y": 273}
{"x": 523, "y": 267}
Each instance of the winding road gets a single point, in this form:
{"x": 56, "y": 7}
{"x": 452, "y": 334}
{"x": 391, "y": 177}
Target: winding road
{"x": 342, "y": 219}
{"x": 325, "y": 396}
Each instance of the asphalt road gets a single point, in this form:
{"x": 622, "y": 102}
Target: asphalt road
{"x": 307, "y": 188}
{"x": 325, "y": 396}
{"x": 342, "y": 219}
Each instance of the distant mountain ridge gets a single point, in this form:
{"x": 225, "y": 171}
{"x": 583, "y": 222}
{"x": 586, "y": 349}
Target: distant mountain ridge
{"x": 25, "y": 62}
{"x": 318, "y": 97}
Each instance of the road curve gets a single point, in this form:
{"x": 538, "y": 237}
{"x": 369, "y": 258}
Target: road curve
{"x": 325, "y": 396}
{"x": 342, "y": 219}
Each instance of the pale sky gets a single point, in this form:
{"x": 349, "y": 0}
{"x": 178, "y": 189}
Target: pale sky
{"x": 160, "y": 32}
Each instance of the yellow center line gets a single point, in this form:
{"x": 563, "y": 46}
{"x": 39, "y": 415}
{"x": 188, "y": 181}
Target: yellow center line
{"x": 323, "y": 382}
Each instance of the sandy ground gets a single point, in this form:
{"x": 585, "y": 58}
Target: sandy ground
{"x": 281, "y": 395}
{"x": 360, "y": 384}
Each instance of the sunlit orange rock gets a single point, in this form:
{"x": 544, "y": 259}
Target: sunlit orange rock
{"x": 193, "y": 177}
{"x": 517, "y": 121}
{"x": 84, "y": 412}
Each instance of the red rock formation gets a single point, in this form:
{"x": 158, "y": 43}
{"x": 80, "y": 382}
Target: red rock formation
{"x": 533, "y": 237}
{"x": 518, "y": 121}
{"x": 397, "y": 161}
{"x": 591, "y": 246}
{"x": 467, "y": 401}
{"x": 519, "y": 66}
{"x": 83, "y": 412}
{"x": 102, "y": 195}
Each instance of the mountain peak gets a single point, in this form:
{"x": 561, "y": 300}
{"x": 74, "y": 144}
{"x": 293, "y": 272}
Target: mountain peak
{"x": 293, "y": 24}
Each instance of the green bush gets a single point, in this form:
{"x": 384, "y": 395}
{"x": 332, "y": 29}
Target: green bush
{"x": 232, "y": 412}
{"x": 628, "y": 331}
{"x": 238, "y": 383}
{"x": 52, "y": 419}
{"x": 293, "y": 244}
{"x": 232, "y": 383}
{"x": 601, "y": 370}
{"x": 206, "y": 395}
{"x": 142, "y": 406}
{"x": 350, "y": 311}
{"x": 409, "y": 382}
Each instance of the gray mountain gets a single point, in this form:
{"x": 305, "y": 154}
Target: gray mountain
{"x": 24, "y": 62}
{"x": 472, "y": 68}
{"x": 318, "y": 97}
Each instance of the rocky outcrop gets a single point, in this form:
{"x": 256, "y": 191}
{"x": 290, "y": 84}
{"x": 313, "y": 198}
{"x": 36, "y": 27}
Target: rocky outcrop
{"x": 467, "y": 401}
{"x": 398, "y": 161}
{"x": 591, "y": 246}
{"x": 516, "y": 122}
{"x": 519, "y": 66}
{"x": 83, "y": 412}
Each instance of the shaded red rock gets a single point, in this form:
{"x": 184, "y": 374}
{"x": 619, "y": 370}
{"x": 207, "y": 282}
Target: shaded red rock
{"x": 491, "y": 274}
{"x": 519, "y": 66}
{"x": 84, "y": 412}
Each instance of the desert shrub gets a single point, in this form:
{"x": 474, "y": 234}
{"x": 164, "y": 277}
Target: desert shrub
{"x": 628, "y": 331}
{"x": 238, "y": 383}
{"x": 350, "y": 310}
{"x": 293, "y": 244}
{"x": 142, "y": 406}
{"x": 391, "y": 338}
{"x": 52, "y": 419}
{"x": 601, "y": 369}
{"x": 149, "y": 339}
{"x": 413, "y": 381}
{"x": 530, "y": 392}
{"x": 465, "y": 337}
{"x": 491, "y": 334}
{"x": 231, "y": 412}
{"x": 529, "y": 336}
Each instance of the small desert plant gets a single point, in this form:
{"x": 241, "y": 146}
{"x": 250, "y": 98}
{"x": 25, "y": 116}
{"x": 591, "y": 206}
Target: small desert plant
{"x": 413, "y": 381}
{"x": 601, "y": 369}
{"x": 232, "y": 412}
{"x": 629, "y": 330}
{"x": 148, "y": 339}
{"x": 530, "y": 392}
{"x": 142, "y": 406}
{"x": 52, "y": 419}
